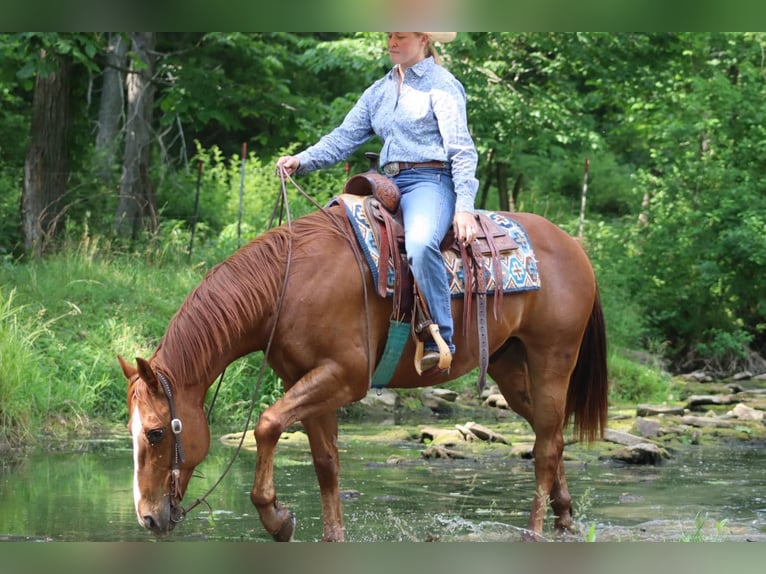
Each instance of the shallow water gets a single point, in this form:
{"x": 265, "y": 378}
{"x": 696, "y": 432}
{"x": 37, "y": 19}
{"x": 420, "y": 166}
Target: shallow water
{"x": 390, "y": 493}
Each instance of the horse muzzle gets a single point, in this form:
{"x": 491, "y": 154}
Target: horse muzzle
{"x": 161, "y": 520}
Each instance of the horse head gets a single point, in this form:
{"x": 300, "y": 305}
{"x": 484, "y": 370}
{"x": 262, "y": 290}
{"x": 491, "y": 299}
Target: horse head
{"x": 170, "y": 438}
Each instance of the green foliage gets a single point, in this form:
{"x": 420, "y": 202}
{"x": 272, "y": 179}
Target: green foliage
{"x": 700, "y": 521}
{"x": 700, "y": 253}
{"x": 10, "y": 197}
{"x": 20, "y": 376}
{"x": 223, "y": 180}
{"x": 632, "y": 382}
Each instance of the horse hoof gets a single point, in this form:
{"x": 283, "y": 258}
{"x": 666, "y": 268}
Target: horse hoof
{"x": 566, "y": 526}
{"x": 286, "y": 531}
{"x": 531, "y": 536}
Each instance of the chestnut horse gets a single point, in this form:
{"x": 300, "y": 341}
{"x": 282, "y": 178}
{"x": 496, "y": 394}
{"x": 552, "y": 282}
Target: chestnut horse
{"x": 300, "y": 294}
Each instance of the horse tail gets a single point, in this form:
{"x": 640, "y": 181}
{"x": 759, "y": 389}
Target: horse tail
{"x": 588, "y": 393}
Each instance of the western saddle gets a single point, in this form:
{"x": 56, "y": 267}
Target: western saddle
{"x": 383, "y": 208}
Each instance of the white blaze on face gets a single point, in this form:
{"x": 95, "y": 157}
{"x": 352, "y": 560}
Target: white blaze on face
{"x": 135, "y": 430}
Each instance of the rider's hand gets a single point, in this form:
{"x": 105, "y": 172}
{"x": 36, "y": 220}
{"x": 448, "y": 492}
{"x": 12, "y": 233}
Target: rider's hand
{"x": 288, "y": 163}
{"x": 465, "y": 226}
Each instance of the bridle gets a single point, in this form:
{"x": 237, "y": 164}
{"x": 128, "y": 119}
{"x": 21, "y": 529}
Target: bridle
{"x": 177, "y": 512}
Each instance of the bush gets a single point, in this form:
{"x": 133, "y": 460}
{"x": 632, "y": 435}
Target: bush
{"x": 10, "y": 198}
{"x": 635, "y": 383}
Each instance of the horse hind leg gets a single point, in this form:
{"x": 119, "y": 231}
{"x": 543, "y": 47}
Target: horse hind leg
{"x": 509, "y": 369}
{"x": 561, "y": 502}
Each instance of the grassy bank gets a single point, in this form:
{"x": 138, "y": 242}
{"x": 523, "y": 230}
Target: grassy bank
{"x": 64, "y": 319}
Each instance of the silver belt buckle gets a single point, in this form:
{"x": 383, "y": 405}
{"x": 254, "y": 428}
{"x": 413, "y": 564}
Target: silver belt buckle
{"x": 391, "y": 169}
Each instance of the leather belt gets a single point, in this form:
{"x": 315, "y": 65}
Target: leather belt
{"x": 393, "y": 168}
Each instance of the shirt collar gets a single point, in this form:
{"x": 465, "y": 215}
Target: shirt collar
{"x": 418, "y": 69}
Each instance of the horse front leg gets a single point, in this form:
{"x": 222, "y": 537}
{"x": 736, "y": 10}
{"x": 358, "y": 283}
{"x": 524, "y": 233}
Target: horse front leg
{"x": 314, "y": 398}
{"x": 276, "y": 519}
{"x": 323, "y": 436}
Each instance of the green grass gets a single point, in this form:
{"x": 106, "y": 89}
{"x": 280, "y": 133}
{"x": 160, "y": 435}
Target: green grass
{"x": 20, "y": 376}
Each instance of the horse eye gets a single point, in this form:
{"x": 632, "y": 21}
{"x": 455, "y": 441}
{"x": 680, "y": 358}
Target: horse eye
{"x": 155, "y": 435}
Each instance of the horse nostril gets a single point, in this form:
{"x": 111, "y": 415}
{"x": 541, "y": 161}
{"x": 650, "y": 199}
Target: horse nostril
{"x": 149, "y": 522}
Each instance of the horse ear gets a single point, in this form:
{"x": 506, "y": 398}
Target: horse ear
{"x": 146, "y": 373}
{"x": 127, "y": 369}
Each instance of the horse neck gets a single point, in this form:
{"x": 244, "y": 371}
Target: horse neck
{"x": 227, "y": 316}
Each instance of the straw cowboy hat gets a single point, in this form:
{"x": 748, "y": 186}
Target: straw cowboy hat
{"x": 443, "y": 37}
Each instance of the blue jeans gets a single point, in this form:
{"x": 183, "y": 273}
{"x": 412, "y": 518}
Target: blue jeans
{"x": 428, "y": 208}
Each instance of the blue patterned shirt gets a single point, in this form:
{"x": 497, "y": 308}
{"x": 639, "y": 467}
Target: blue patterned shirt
{"x": 425, "y": 122}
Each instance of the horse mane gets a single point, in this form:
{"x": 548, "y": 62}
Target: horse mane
{"x": 233, "y": 294}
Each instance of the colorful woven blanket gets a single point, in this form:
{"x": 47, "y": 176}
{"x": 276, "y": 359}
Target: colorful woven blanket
{"x": 519, "y": 266}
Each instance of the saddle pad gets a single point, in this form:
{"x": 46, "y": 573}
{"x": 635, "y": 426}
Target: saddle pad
{"x": 519, "y": 266}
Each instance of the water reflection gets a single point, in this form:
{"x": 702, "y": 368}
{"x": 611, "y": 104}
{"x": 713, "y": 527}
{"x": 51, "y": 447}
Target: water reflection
{"x": 88, "y": 496}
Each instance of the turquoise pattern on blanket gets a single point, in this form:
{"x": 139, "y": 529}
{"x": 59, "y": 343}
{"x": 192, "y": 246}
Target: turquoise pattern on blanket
{"x": 519, "y": 266}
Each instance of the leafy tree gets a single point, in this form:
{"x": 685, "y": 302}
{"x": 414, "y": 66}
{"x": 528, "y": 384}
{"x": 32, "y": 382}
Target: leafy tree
{"x": 49, "y": 58}
{"x": 137, "y": 200}
{"x": 698, "y": 256}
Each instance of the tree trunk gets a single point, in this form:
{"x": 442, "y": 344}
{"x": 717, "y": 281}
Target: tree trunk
{"x": 583, "y": 199}
{"x": 515, "y": 193}
{"x": 501, "y": 171}
{"x": 137, "y": 204}
{"x": 487, "y": 181}
{"x": 46, "y": 163}
{"x": 111, "y": 107}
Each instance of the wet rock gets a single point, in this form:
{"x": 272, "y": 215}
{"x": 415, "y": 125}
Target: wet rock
{"x": 525, "y": 451}
{"x": 744, "y": 375}
{"x": 658, "y": 410}
{"x": 641, "y": 453}
{"x": 447, "y": 394}
{"x": 744, "y": 413}
{"x": 384, "y": 397}
{"x": 698, "y": 376}
{"x": 440, "y": 435}
{"x": 490, "y": 389}
{"x": 474, "y": 431}
{"x": 701, "y": 400}
{"x": 438, "y": 451}
{"x": 707, "y": 421}
{"x": 436, "y": 402}
{"x": 497, "y": 400}
{"x": 395, "y": 459}
{"x": 648, "y": 428}
{"x": 349, "y": 494}
{"x": 467, "y": 433}
{"x": 622, "y": 437}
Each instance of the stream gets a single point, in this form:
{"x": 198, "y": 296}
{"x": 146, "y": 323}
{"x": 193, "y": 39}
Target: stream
{"x": 391, "y": 493}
